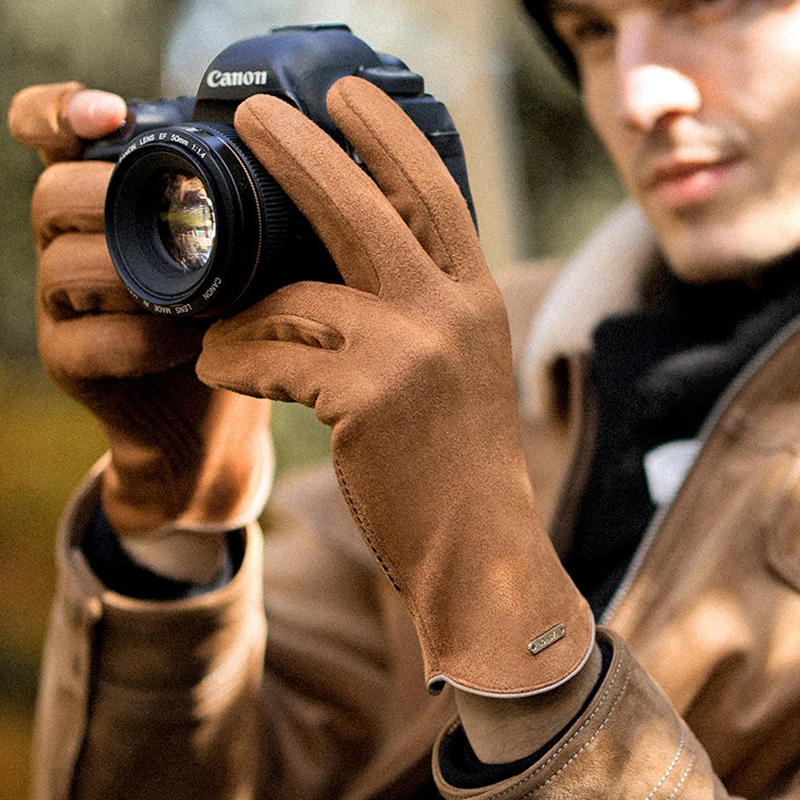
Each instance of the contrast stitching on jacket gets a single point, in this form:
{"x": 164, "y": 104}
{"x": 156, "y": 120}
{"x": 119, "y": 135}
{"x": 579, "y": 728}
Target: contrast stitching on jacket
{"x": 683, "y": 779}
{"x": 577, "y": 732}
{"x": 587, "y": 743}
{"x": 671, "y": 767}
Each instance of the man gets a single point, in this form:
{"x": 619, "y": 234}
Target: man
{"x": 156, "y": 680}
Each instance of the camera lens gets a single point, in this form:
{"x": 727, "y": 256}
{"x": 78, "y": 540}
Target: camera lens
{"x": 186, "y": 220}
{"x": 196, "y": 226}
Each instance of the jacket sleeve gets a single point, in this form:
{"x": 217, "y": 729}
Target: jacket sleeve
{"x": 182, "y": 699}
{"x": 629, "y": 742}
{"x": 133, "y": 691}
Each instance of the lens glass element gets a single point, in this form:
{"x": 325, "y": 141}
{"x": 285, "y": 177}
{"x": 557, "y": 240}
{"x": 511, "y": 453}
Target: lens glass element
{"x": 186, "y": 222}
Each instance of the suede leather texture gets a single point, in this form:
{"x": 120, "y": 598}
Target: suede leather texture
{"x": 410, "y": 364}
{"x": 181, "y": 453}
{"x": 37, "y": 118}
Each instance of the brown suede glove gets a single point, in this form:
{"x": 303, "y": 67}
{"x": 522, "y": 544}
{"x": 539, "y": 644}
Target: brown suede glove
{"x": 184, "y": 457}
{"x": 410, "y": 364}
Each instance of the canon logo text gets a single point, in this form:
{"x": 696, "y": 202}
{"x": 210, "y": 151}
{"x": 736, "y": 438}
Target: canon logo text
{"x": 217, "y": 79}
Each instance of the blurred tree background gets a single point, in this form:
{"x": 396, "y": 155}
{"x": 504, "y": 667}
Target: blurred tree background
{"x": 539, "y": 178}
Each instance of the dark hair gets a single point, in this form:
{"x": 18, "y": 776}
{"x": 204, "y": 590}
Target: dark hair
{"x": 539, "y": 11}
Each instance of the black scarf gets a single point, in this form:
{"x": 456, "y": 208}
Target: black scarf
{"x": 657, "y": 372}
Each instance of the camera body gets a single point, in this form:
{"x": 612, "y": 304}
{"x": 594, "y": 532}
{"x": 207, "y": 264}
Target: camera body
{"x": 195, "y": 225}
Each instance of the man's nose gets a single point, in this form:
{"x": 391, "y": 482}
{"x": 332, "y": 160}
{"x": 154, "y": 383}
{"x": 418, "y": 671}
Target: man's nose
{"x": 650, "y": 88}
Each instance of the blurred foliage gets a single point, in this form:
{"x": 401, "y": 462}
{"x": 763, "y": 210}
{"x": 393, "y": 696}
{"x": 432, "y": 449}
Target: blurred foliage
{"x": 46, "y": 439}
{"x": 106, "y": 44}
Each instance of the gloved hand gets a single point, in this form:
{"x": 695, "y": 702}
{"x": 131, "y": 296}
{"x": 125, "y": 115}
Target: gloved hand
{"x": 186, "y": 460}
{"x": 410, "y": 364}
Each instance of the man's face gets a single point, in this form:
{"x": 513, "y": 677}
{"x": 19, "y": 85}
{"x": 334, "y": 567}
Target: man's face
{"x": 698, "y": 103}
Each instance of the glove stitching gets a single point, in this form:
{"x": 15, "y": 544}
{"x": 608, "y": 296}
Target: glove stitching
{"x": 597, "y": 708}
{"x": 452, "y": 272}
{"x": 362, "y": 524}
{"x": 368, "y": 536}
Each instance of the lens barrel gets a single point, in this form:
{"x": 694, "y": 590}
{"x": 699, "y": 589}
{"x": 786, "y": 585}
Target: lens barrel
{"x": 195, "y": 225}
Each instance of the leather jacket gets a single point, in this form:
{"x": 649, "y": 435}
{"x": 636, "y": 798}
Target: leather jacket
{"x": 302, "y": 678}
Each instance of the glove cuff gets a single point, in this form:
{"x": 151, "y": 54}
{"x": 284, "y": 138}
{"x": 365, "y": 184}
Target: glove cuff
{"x": 523, "y": 660}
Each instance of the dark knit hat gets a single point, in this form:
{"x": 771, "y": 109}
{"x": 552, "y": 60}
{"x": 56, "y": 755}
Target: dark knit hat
{"x": 540, "y": 13}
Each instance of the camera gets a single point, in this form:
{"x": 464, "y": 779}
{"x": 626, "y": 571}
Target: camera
{"x": 194, "y": 224}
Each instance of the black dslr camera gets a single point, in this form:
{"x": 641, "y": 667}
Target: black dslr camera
{"x": 195, "y": 225}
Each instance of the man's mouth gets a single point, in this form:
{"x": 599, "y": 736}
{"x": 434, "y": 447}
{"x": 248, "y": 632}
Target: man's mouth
{"x": 678, "y": 184}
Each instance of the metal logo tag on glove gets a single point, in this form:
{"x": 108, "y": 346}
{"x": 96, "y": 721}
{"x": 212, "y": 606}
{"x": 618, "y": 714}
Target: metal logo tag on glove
{"x": 546, "y": 639}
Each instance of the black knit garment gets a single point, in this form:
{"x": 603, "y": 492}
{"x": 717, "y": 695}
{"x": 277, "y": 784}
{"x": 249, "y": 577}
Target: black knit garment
{"x": 656, "y": 373}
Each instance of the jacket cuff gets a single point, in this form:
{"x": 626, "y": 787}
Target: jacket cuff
{"x": 121, "y": 573}
{"x": 138, "y": 662}
{"x": 628, "y": 742}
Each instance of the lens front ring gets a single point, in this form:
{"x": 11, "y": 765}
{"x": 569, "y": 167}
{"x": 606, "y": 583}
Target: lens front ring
{"x": 206, "y": 158}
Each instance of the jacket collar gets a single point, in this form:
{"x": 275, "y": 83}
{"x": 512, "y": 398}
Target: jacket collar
{"x": 603, "y": 277}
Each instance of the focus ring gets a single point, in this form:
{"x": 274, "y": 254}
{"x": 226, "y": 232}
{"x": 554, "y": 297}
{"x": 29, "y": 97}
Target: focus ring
{"x": 273, "y": 203}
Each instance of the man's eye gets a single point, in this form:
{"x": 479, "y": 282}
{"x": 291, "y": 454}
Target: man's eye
{"x": 580, "y": 31}
{"x": 591, "y": 30}
{"x": 707, "y": 10}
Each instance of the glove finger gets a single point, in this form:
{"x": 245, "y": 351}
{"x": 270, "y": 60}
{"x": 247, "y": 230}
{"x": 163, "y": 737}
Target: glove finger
{"x": 286, "y": 370}
{"x": 89, "y": 326}
{"x": 309, "y": 342}
{"x": 409, "y": 171}
{"x": 291, "y": 345}
{"x": 120, "y": 345}
{"x": 366, "y": 237}
{"x": 76, "y": 277}
{"x": 93, "y": 113}
{"x": 37, "y": 118}
{"x": 321, "y": 315}
{"x": 69, "y": 197}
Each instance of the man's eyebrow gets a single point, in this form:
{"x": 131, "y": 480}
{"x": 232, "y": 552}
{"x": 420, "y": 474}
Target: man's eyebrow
{"x": 569, "y": 7}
